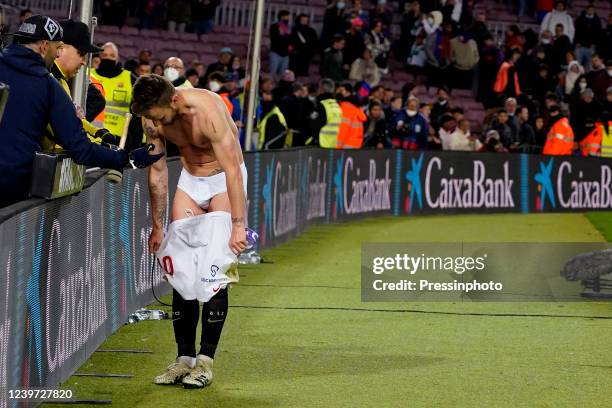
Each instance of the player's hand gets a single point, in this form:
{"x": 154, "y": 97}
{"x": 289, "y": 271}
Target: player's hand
{"x": 238, "y": 241}
{"x": 155, "y": 239}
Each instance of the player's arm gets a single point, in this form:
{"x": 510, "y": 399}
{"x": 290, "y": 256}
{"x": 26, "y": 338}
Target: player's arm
{"x": 212, "y": 119}
{"x": 158, "y": 184}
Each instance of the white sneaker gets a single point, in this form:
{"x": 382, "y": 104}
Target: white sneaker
{"x": 174, "y": 373}
{"x": 201, "y": 375}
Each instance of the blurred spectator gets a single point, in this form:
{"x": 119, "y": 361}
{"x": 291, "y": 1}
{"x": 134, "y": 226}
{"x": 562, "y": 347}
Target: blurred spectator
{"x": 607, "y": 107}
{"x": 448, "y": 125}
{"x": 143, "y": 68}
{"x": 501, "y": 126}
{"x": 354, "y": 43}
{"x": 561, "y": 46}
{"x": 464, "y": 56}
{"x": 432, "y": 22}
{"x": 297, "y": 109}
{"x": 588, "y": 35}
{"x": 527, "y": 137}
{"x": 379, "y": 45}
{"x": 280, "y": 44}
{"x": 437, "y": 49}
{"x": 574, "y": 71}
{"x": 151, "y": 12}
{"x": 357, "y": 11}
{"x": 95, "y": 61}
{"x": 540, "y": 132}
{"x": 203, "y": 15}
{"x": 375, "y": 128}
{"x": 492, "y": 143}
{"x": 305, "y": 44}
{"x": 462, "y": 139}
{"x": 381, "y": 13}
{"x": 507, "y": 81}
{"x": 378, "y": 93}
{"x": 114, "y": 12}
{"x": 331, "y": 62}
{"x": 598, "y": 78}
{"x": 490, "y": 58}
{"x": 199, "y": 67}
{"x": 273, "y": 130}
{"x": 510, "y": 105}
{"x": 333, "y": 22}
{"x": 144, "y": 56}
{"x": 408, "y": 90}
{"x": 586, "y": 108}
{"x": 440, "y": 107}
{"x": 350, "y": 133}
{"x": 158, "y": 69}
{"x": 117, "y": 83}
{"x": 284, "y": 86}
{"x": 223, "y": 64}
{"x": 559, "y": 16}
{"x": 236, "y": 67}
{"x": 560, "y": 138}
{"x": 192, "y": 76}
{"x": 417, "y": 58}
{"x": 179, "y": 15}
{"x": 365, "y": 69}
{"x": 24, "y": 15}
{"x": 408, "y": 128}
{"x": 174, "y": 71}
{"x": 544, "y": 83}
{"x": 411, "y": 27}
{"x": 395, "y": 106}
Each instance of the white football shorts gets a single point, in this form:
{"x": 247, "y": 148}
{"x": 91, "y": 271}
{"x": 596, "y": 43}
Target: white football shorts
{"x": 195, "y": 255}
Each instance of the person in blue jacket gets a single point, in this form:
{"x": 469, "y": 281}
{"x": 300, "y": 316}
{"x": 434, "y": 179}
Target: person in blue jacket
{"x": 35, "y": 100}
{"x": 409, "y": 130}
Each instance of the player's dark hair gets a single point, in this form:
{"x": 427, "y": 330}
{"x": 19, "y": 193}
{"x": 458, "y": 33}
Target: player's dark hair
{"x": 150, "y": 91}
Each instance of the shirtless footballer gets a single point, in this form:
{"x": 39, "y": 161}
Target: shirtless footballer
{"x": 213, "y": 179}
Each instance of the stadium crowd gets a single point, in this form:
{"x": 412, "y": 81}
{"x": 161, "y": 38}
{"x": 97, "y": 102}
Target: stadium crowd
{"x": 548, "y": 92}
{"x": 554, "y": 85}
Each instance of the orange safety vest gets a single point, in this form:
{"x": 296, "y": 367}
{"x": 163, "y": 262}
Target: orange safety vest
{"x": 225, "y": 97}
{"x": 591, "y": 144}
{"x": 560, "y": 139}
{"x": 98, "y": 120}
{"x": 350, "y": 135}
{"x": 502, "y": 79}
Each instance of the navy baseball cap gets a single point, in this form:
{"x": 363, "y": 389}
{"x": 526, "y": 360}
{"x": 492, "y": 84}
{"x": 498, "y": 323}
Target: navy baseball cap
{"x": 77, "y": 34}
{"x": 38, "y": 28}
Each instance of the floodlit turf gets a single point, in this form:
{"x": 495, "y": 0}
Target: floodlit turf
{"x": 293, "y": 338}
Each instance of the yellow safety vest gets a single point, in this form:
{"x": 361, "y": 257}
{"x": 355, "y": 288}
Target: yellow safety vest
{"x": 118, "y": 98}
{"x": 48, "y": 143}
{"x": 264, "y": 122}
{"x": 328, "y": 136}
{"x": 606, "y": 140}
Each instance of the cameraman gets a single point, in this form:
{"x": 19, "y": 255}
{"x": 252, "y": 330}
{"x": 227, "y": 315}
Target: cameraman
{"x": 37, "y": 99}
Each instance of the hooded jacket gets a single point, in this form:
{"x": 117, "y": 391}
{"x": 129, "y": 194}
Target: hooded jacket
{"x": 35, "y": 100}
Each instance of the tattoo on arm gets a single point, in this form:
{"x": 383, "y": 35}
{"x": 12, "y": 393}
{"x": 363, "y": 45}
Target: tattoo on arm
{"x": 238, "y": 220}
{"x": 150, "y": 132}
{"x": 159, "y": 189}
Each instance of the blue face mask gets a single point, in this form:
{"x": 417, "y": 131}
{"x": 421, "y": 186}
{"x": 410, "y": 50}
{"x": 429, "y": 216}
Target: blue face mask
{"x": 340, "y": 5}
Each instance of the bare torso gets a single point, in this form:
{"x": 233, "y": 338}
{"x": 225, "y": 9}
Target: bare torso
{"x": 196, "y": 151}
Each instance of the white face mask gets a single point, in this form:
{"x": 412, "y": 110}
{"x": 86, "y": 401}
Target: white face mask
{"x": 545, "y": 40}
{"x": 171, "y": 73}
{"x": 411, "y": 112}
{"x": 610, "y": 72}
{"x": 214, "y": 86}
{"x": 340, "y": 5}
{"x": 582, "y": 85}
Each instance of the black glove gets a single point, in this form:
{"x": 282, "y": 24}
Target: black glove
{"x": 141, "y": 158}
{"x": 107, "y": 137}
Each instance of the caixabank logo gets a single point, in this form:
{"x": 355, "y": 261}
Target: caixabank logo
{"x": 313, "y": 187}
{"x": 458, "y": 182}
{"x": 571, "y": 184}
{"x": 279, "y": 193}
{"x": 361, "y": 184}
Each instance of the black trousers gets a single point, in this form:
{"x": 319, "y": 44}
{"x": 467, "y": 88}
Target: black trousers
{"x": 185, "y": 316}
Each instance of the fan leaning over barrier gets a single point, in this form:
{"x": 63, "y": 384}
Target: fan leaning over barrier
{"x": 208, "y": 215}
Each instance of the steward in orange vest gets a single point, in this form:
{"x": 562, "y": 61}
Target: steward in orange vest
{"x": 507, "y": 81}
{"x": 350, "y": 135}
{"x": 591, "y": 144}
{"x": 560, "y": 139}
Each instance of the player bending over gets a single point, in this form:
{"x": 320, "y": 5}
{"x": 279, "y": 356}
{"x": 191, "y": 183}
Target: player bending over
{"x": 213, "y": 179}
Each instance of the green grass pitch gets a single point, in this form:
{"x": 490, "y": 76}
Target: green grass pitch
{"x": 294, "y": 339}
